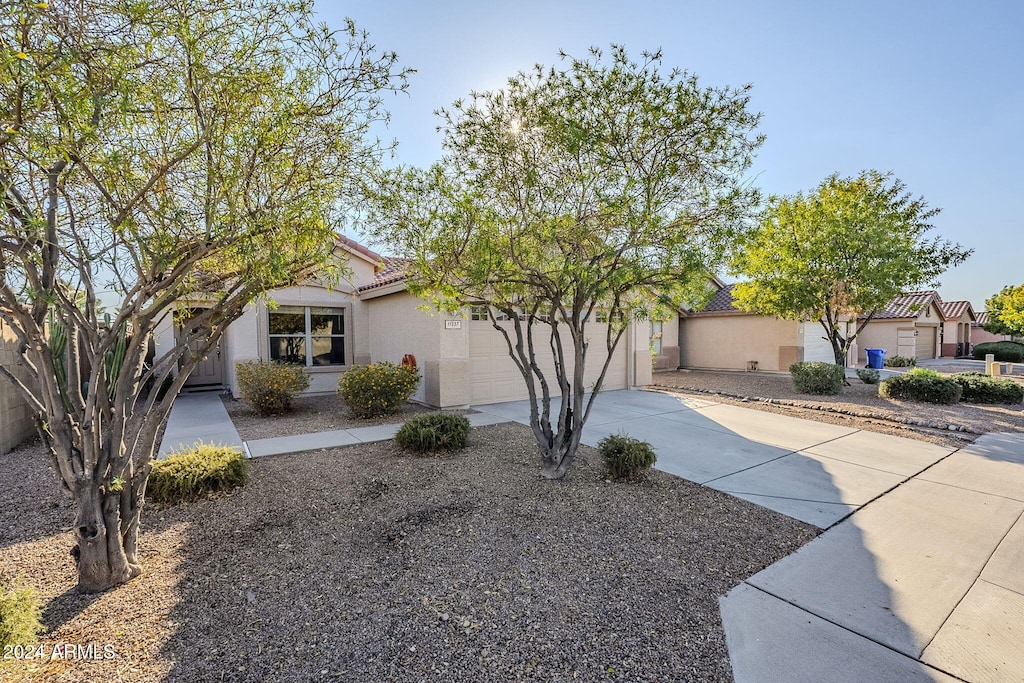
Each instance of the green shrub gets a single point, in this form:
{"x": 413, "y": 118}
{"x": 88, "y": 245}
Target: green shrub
{"x": 434, "y": 432}
{"x": 19, "y": 615}
{"x": 900, "y": 362}
{"x": 868, "y": 375}
{"x": 980, "y": 388}
{"x": 1004, "y": 351}
{"x": 268, "y": 388}
{"x": 817, "y": 378}
{"x": 377, "y": 389}
{"x": 188, "y": 474}
{"x": 921, "y": 384}
{"x": 625, "y": 458}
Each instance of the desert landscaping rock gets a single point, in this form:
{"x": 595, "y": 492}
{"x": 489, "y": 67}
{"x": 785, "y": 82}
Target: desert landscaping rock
{"x": 362, "y": 563}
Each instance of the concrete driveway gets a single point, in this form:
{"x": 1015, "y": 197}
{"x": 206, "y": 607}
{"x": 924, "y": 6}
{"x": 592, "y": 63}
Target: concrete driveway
{"x": 918, "y": 575}
{"x": 818, "y": 473}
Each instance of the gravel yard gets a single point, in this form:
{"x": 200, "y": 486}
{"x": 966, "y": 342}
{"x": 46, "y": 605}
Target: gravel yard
{"x": 858, "y": 405}
{"x": 309, "y": 414}
{"x": 363, "y": 564}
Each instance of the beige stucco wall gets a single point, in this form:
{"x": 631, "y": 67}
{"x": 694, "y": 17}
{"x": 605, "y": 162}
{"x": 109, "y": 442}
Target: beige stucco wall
{"x": 668, "y": 359}
{"x": 399, "y": 325}
{"x": 730, "y": 341}
{"x": 980, "y": 336}
{"x": 16, "y": 420}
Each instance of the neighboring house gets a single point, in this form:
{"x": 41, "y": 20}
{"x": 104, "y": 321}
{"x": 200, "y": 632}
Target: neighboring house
{"x": 922, "y": 325}
{"x": 17, "y": 422}
{"x": 371, "y": 317}
{"x": 980, "y": 336}
{"x": 955, "y": 335}
{"x": 722, "y": 337}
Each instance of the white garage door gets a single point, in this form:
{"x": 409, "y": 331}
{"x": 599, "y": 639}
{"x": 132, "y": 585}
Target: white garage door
{"x": 926, "y": 342}
{"x": 494, "y": 377}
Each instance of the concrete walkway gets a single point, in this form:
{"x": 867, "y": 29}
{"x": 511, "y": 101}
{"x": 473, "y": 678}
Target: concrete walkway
{"x": 198, "y": 418}
{"x": 923, "y": 584}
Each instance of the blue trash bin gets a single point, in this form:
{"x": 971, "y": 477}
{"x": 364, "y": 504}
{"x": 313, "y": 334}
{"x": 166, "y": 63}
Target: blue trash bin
{"x": 876, "y": 358}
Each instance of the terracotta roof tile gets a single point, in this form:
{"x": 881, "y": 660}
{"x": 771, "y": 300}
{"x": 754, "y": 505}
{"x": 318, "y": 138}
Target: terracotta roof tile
{"x": 908, "y": 305}
{"x": 356, "y": 246}
{"x": 951, "y": 310}
{"x": 980, "y": 319}
{"x": 394, "y": 270}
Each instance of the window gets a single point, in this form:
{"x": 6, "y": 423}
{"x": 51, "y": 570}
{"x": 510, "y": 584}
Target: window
{"x": 307, "y": 335}
{"x": 656, "y": 330}
{"x": 478, "y": 312}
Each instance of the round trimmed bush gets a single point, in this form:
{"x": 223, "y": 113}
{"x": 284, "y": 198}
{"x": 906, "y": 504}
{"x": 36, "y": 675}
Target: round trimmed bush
{"x": 900, "y": 362}
{"x": 434, "y": 432}
{"x": 868, "y": 375}
{"x": 812, "y": 377}
{"x": 1004, "y": 351}
{"x": 980, "y": 388}
{"x": 625, "y": 458}
{"x": 19, "y": 615}
{"x": 923, "y": 385}
{"x": 193, "y": 472}
{"x": 377, "y": 389}
{"x": 268, "y": 388}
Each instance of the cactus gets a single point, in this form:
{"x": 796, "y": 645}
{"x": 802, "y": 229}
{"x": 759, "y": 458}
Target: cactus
{"x": 58, "y": 349}
{"x": 113, "y": 360}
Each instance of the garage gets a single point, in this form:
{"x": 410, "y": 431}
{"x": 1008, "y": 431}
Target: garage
{"x": 494, "y": 377}
{"x": 926, "y": 342}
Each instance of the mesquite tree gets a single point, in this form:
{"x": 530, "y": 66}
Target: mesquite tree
{"x": 173, "y": 151}
{"x": 597, "y": 190}
{"x": 841, "y": 252}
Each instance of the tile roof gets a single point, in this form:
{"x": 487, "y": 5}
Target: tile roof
{"x": 980, "y": 319}
{"x": 355, "y": 246}
{"x": 908, "y": 305}
{"x": 951, "y": 310}
{"x": 721, "y": 302}
{"x": 394, "y": 270}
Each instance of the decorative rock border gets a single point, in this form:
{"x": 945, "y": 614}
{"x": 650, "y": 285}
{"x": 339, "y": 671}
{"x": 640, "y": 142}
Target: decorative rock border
{"x": 942, "y": 426}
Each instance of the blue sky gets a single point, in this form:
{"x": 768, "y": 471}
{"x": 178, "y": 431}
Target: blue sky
{"x": 931, "y": 90}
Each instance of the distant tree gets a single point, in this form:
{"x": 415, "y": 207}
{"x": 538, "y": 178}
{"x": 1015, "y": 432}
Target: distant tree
{"x": 179, "y": 151}
{"x": 597, "y": 190}
{"x": 1006, "y": 311}
{"x": 845, "y": 250}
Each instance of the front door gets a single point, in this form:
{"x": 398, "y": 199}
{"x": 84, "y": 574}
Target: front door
{"x": 210, "y": 371}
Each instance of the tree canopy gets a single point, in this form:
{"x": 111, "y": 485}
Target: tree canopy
{"x": 598, "y": 187}
{"x": 843, "y": 251}
{"x": 1006, "y": 311}
{"x": 170, "y": 150}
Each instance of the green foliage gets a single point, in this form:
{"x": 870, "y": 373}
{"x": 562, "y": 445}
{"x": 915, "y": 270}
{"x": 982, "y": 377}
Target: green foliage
{"x": 1004, "y": 351}
{"x": 551, "y": 203}
{"x": 268, "y": 388}
{"x": 1006, "y": 311}
{"x": 980, "y": 388}
{"x": 191, "y": 473}
{"x": 868, "y": 375}
{"x": 900, "y": 362}
{"x": 19, "y": 615}
{"x": 434, "y": 432}
{"x": 811, "y": 377}
{"x": 846, "y": 249}
{"x": 377, "y": 389}
{"x": 921, "y": 384}
{"x": 625, "y": 458}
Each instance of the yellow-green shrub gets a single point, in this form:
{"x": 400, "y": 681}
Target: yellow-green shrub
{"x": 268, "y": 388}
{"x": 19, "y": 615}
{"x": 188, "y": 474}
{"x": 377, "y": 389}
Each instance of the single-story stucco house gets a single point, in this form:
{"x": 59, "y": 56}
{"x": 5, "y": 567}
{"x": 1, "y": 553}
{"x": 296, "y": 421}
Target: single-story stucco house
{"x": 721, "y": 337}
{"x": 371, "y": 317}
{"x": 980, "y": 335}
{"x": 921, "y": 325}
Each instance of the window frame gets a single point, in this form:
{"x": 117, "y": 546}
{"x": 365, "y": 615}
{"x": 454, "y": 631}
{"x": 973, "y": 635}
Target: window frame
{"x": 308, "y": 336}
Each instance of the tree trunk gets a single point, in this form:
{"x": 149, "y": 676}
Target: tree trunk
{"x": 107, "y": 542}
